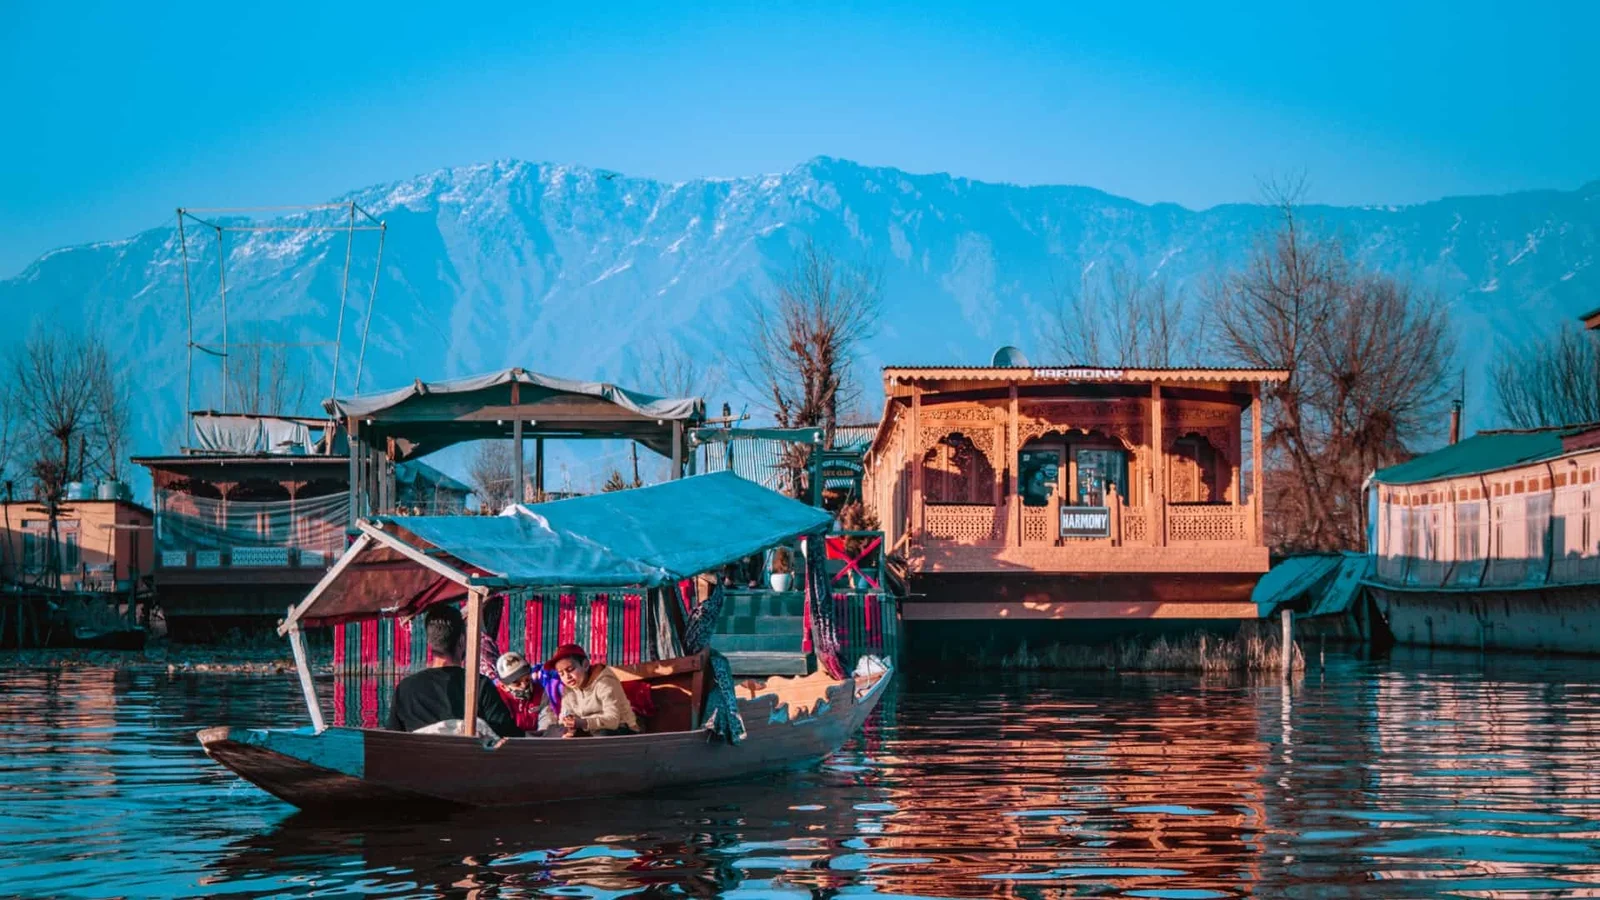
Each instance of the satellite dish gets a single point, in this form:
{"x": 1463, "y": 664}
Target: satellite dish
{"x": 1009, "y": 358}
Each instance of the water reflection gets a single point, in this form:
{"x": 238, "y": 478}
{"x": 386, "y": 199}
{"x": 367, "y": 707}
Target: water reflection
{"x": 1420, "y": 776}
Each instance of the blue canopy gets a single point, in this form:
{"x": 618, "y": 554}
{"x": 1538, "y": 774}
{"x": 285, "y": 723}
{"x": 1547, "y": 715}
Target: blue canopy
{"x": 681, "y": 527}
{"x": 636, "y": 538}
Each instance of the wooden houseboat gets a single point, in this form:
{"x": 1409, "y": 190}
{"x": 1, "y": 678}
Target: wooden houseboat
{"x": 1492, "y": 543}
{"x": 703, "y": 728}
{"x": 1024, "y": 495}
{"x": 253, "y": 514}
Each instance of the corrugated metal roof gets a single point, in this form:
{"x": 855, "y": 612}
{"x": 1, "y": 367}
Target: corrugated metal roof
{"x": 1487, "y": 451}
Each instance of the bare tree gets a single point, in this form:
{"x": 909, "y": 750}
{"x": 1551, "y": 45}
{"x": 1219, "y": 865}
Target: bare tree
{"x": 70, "y": 403}
{"x": 801, "y": 338}
{"x": 1119, "y": 319}
{"x": 668, "y": 369}
{"x": 1366, "y": 359}
{"x": 616, "y": 482}
{"x": 493, "y": 472}
{"x": 261, "y": 380}
{"x": 1553, "y": 381}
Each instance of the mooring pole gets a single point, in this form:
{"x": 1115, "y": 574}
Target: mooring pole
{"x": 1286, "y": 643}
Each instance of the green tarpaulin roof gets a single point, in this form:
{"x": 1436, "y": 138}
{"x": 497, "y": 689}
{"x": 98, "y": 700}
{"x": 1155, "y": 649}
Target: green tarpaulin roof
{"x": 1483, "y": 452}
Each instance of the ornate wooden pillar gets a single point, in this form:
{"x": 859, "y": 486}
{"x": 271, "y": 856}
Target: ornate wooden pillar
{"x": 1158, "y": 469}
{"x": 1256, "y": 465}
{"x": 1013, "y": 458}
{"x": 916, "y": 460}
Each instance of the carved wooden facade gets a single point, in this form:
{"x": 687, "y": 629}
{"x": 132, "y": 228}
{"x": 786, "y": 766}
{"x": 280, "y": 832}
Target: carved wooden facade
{"x": 971, "y": 469}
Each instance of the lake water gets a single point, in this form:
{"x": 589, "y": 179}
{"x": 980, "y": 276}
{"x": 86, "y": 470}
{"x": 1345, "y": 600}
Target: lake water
{"x": 1422, "y": 775}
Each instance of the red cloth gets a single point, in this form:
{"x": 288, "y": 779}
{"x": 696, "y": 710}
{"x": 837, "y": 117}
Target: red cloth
{"x": 638, "y": 694}
{"x": 526, "y": 712}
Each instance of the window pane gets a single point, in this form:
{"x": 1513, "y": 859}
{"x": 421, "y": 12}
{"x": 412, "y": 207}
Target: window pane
{"x": 1098, "y": 471}
{"x": 1038, "y": 471}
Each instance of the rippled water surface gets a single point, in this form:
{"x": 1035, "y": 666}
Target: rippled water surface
{"x": 1418, "y": 776}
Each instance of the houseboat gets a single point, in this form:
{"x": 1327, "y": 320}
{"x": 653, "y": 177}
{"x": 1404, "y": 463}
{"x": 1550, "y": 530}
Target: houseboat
{"x": 1492, "y": 543}
{"x": 251, "y": 515}
{"x": 1036, "y": 503}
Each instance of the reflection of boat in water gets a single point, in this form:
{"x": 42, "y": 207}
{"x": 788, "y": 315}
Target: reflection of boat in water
{"x": 704, "y": 728}
{"x": 687, "y": 840}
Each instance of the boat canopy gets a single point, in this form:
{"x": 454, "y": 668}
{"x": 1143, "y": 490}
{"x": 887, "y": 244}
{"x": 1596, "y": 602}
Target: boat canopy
{"x": 639, "y": 538}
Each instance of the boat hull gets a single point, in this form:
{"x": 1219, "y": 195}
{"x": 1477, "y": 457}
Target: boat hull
{"x": 1551, "y": 619}
{"x": 361, "y": 770}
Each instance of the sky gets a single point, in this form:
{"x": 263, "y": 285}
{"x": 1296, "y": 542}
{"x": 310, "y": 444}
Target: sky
{"x": 120, "y": 112}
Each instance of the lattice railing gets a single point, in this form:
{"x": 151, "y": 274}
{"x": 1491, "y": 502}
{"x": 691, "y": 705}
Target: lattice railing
{"x": 1038, "y": 525}
{"x": 1206, "y": 524}
{"x": 966, "y": 523}
{"x": 1135, "y": 526}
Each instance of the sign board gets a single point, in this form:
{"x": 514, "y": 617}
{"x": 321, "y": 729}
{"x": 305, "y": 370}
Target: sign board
{"x": 1085, "y": 521}
{"x": 1082, "y": 373}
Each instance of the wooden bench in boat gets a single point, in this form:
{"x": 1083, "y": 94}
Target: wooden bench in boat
{"x": 677, "y": 691}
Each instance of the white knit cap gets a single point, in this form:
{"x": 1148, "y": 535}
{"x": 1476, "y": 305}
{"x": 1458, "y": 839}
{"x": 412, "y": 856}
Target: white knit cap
{"x": 511, "y": 667}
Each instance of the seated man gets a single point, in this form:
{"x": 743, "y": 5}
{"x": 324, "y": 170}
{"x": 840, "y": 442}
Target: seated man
{"x": 523, "y": 695}
{"x": 594, "y": 703}
{"x": 438, "y": 692}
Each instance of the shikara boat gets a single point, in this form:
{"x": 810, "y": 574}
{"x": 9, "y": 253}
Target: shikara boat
{"x": 648, "y": 539}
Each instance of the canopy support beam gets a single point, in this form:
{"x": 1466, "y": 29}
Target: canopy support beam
{"x": 469, "y": 712}
{"x": 297, "y": 642}
{"x": 292, "y": 622}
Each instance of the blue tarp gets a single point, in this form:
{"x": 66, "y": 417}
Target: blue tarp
{"x": 682, "y": 527}
{"x": 637, "y": 538}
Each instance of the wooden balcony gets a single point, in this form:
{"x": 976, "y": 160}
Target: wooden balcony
{"x": 1166, "y": 538}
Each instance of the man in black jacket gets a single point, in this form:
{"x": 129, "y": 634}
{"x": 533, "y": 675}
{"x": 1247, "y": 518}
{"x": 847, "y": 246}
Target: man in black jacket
{"x": 438, "y": 692}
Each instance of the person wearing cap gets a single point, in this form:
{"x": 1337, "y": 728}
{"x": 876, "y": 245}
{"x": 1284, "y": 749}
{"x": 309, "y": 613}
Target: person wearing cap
{"x": 594, "y": 702}
{"x": 522, "y": 694}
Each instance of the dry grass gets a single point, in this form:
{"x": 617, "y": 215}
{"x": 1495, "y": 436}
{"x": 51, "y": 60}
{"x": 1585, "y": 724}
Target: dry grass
{"x": 1255, "y": 648}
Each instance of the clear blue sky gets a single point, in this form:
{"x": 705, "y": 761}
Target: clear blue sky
{"x": 118, "y": 112}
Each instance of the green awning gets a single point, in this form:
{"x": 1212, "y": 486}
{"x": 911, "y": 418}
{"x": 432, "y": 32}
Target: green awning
{"x": 1484, "y": 452}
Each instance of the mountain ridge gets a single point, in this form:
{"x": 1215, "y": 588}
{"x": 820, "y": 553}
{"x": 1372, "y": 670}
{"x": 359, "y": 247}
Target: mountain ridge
{"x": 573, "y": 269}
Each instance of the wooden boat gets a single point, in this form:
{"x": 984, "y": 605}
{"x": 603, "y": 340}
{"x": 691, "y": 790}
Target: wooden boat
{"x": 401, "y": 566}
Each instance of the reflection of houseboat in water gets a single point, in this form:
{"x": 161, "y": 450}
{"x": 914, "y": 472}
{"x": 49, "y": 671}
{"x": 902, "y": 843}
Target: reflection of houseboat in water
{"x": 1025, "y": 494}
{"x": 1492, "y": 543}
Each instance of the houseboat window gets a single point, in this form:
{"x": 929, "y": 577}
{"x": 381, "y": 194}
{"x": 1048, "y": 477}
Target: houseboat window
{"x": 1538, "y": 524}
{"x": 1468, "y": 540}
{"x": 956, "y": 471}
{"x": 1038, "y": 471}
{"x": 1098, "y": 471}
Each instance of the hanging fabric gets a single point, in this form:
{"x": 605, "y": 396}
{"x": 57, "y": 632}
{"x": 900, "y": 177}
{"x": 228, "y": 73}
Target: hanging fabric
{"x": 819, "y": 607}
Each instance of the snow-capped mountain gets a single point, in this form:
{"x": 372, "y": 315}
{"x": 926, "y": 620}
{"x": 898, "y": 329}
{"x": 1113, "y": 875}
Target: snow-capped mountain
{"x": 571, "y": 271}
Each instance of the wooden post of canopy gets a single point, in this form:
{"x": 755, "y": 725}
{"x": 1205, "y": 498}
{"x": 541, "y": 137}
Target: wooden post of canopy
{"x": 1256, "y": 465}
{"x": 1013, "y": 459}
{"x": 916, "y": 460}
{"x": 302, "y": 667}
{"x": 1158, "y": 468}
{"x": 518, "y": 493}
{"x": 677, "y": 450}
{"x": 538, "y": 470}
{"x": 469, "y": 717}
{"x": 353, "y": 438}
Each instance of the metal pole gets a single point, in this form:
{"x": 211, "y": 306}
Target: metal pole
{"x": 372, "y": 301}
{"x": 222, "y": 287}
{"x": 188, "y": 316}
{"x": 344, "y": 289}
{"x": 538, "y": 470}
